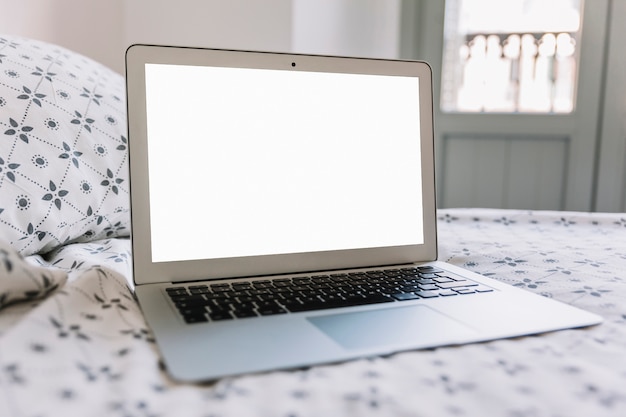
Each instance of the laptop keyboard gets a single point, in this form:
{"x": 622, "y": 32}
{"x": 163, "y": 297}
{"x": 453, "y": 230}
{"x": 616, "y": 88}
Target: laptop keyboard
{"x": 263, "y": 297}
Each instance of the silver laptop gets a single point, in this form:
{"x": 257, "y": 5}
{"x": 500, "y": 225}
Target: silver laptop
{"x": 283, "y": 215}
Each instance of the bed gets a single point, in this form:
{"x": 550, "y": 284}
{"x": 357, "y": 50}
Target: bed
{"x": 73, "y": 341}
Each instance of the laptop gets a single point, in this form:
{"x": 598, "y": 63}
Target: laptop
{"x": 283, "y": 215}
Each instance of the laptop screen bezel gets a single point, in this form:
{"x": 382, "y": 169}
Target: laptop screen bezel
{"x": 146, "y": 271}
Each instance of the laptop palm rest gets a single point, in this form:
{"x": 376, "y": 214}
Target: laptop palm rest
{"x": 416, "y": 325}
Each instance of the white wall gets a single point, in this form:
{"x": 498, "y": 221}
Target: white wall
{"x": 364, "y": 28}
{"x": 90, "y": 27}
{"x": 103, "y": 30}
{"x": 230, "y": 24}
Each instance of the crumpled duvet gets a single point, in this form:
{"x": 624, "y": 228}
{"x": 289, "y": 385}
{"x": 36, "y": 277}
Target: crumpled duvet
{"x": 85, "y": 350}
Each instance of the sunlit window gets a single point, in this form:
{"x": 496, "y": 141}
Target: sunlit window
{"x": 510, "y": 56}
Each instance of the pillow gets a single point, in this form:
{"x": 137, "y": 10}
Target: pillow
{"x": 63, "y": 150}
{"x": 20, "y": 281}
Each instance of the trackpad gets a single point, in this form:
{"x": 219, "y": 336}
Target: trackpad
{"x": 404, "y": 327}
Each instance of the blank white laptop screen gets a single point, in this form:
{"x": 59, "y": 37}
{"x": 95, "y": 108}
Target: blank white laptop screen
{"x": 247, "y": 162}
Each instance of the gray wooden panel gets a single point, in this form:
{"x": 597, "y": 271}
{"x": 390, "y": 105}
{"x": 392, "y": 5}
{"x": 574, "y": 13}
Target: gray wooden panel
{"x": 504, "y": 172}
{"x": 581, "y": 126}
{"x": 611, "y": 187}
{"x": 473, "y": 173}
{"x": 536, "y": 174}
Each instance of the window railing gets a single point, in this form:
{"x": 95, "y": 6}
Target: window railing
{"x": 530, "y": 72}
{"x": 488, "y": 69}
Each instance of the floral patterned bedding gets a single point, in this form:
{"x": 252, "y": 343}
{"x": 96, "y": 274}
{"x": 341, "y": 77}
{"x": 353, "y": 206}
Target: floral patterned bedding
{"x": 73, "y": 341}
{"x": 85, "y": 349}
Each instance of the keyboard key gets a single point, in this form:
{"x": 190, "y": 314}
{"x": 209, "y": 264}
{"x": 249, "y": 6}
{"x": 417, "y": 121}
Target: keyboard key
{"x": 195, "y": 318}
{"x": 427, "y": 294}
{"x": 246, "y": 299}
{"x": 266, "y": 308}
{"x": 405, "y": 296}
{"x": 193, "y": 311}
{"x": 260, "y": 291}
{"x": 244, "y": 286}
{"x": 410, "y": 288}
{"x": 176, "y": 291}
{"x": 271, "y": 311}
{"x": 429, "y": 269}
{"x": 220, "y": 315}
{"x": 220, "y": 289}
{"x": 456, "y": 284}
{"x": 199, "y": 290}
{"x": 428, "y": 287}
{"x": 190, "y": 304}
{"x": 240, "y": 314}
{"x": 178, "y": 298}
{"x": 331, "y": 298}
{"x": 267, "y": 297}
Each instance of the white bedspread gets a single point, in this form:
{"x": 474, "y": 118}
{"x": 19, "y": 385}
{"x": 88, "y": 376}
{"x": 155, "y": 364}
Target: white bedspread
{"x": 85, "y": 350}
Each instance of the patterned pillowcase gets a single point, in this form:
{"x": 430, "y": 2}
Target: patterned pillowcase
{"x": 63, "y": 150}
{"x": 20, "y": 281}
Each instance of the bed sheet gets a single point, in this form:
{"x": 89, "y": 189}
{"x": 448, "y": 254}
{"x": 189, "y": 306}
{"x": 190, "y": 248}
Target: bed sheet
{"x": 85, "y": 350}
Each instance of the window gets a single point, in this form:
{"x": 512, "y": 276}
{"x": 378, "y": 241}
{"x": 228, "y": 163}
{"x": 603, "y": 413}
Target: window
{"x": 510, "y": 56}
